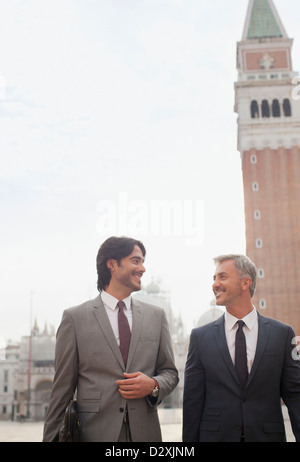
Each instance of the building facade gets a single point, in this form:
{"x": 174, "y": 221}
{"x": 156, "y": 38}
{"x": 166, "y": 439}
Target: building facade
{"x": 269, "y": 144}
{"x": 26, "y": 376}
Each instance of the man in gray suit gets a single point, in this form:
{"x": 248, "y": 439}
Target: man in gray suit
{"x": 118, "y": 390}
{"x": 239, "y": 367}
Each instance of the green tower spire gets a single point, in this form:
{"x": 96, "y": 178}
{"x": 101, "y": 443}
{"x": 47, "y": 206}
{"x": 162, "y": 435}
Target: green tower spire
{"x": 264, "y": 21}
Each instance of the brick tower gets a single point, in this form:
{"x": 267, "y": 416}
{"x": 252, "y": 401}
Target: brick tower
{"x": 269, "y": 144}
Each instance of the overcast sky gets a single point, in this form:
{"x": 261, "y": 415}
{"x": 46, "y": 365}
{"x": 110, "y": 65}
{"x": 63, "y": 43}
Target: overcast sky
{"x": 107, "y": 109}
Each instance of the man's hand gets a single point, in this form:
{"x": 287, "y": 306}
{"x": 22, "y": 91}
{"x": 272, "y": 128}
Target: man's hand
{"x": 136, "y": 385}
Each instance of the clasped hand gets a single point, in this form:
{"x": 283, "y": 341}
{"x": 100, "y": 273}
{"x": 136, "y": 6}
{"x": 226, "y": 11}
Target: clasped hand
{"x": 136, "y": 385}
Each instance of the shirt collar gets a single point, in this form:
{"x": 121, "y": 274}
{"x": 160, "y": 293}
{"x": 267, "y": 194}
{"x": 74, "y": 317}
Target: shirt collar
{"x": 111, "y": 301}
{"x": 249, "y": 319}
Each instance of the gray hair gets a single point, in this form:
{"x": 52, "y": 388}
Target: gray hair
{"x": 244, "y": 266}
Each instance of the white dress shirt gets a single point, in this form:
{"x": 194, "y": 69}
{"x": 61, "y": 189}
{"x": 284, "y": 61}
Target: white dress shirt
{"x": 250, "y": 330}
{"x": 110, "y": 305}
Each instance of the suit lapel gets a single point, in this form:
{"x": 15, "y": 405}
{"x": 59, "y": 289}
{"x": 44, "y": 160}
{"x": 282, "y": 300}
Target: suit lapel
{"x": 137, "y": 323}
{"x": 221, "y": 341}
{"x": 103, "y": 321}
{"x": 262, "y": 339}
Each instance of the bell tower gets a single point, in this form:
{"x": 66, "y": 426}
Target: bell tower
{"x": 269, "y": 144}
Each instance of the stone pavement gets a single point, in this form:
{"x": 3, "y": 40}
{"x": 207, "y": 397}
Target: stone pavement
{"x": 170, "y": 424}
{"x": 16, "y": 432}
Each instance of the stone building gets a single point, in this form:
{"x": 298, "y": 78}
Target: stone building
{"x": 9, "y": 364}
{"x": 26, "y": 376}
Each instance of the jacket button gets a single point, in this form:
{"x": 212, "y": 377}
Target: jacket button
{"x": 121, "y": 410}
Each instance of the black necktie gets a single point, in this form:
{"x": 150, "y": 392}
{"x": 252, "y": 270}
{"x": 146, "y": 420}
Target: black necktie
{"x": 241, "y": 354}
{"x": 124, "y": 331}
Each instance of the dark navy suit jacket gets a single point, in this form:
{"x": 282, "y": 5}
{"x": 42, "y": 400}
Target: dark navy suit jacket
{"x": 216, "y": 408}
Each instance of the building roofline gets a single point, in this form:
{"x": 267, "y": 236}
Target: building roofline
{"x": 251, "y": 5}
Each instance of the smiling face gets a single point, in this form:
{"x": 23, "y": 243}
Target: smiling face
{"x": 126, "y": 275}
{"x": 229, "y": 288}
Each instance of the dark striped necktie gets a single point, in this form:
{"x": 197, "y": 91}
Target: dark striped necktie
{"x": 241, "y": 354}
{"x": 124, "y": 331}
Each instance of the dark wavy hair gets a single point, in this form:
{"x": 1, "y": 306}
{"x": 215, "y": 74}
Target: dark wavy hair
{"x": 114, "y": 248}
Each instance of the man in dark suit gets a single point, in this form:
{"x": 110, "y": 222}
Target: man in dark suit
{"x": 240, "y": 367}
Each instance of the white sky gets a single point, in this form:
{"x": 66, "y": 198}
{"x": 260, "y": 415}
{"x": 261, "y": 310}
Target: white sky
{"x": 113, "y": 99}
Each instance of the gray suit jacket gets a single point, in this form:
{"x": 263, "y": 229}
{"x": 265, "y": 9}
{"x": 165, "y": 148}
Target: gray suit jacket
{"x": 88, "y": 360}
{"x": 216, "y": 408}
